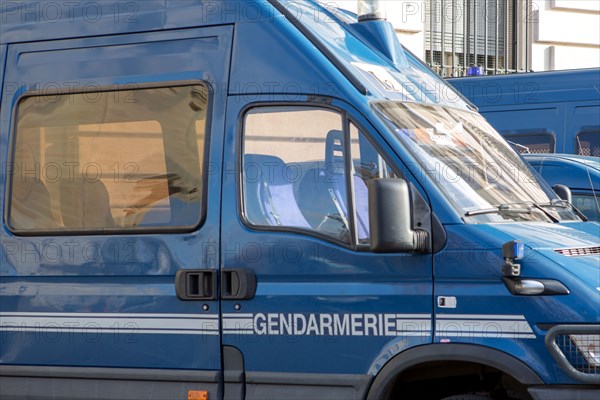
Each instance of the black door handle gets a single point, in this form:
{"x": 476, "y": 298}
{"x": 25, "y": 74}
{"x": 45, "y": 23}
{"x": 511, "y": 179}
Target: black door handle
{"x": 199, "y": 284}
{"x": 238, "y": 284}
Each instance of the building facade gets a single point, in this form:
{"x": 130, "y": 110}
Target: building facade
{"x": 500, "y": 36}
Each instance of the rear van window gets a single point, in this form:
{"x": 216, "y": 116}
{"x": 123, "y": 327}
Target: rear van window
{"x": 588, "y": 144}
{"x": 535, "y": 143}
{"x": 111, "y": 160}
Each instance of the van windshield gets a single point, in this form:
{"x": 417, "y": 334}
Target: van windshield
{"x": 484, "y": 179}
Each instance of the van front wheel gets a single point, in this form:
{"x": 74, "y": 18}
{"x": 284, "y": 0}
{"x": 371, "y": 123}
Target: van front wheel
{"x": 456, "y": 380}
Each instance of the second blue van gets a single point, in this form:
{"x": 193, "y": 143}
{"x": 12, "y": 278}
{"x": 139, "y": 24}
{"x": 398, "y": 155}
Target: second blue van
{"x": 546, "y": 112}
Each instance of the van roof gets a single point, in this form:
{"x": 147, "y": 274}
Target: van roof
{"x": 347, "y": 50}
{"x": 28, "y": 21}
{"x": 587, "y": 161}
{"x": 531, "y": 88}
{"x": 578, "y": 172}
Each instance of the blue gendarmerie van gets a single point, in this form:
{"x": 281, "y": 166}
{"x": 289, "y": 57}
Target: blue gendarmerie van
{"x": 271, "y": 200}
{"x": 546, "y": 112}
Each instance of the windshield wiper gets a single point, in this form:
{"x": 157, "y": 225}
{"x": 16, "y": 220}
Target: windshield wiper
{"x": 507, "y": 208}
{"x": 564, "y": 204}
{"x": 549, "y": 215}
{"x": 502, "y": 208}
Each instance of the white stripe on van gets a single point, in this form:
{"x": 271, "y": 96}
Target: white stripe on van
{"x": 479, "y": 316}
{"x": 109, "y": 315}
{"x": 468, "y": 326}
{"x": 183, "y": 324}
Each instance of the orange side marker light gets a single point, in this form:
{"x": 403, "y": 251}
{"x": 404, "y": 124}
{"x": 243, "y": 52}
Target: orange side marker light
{"x": 197, "y": 395}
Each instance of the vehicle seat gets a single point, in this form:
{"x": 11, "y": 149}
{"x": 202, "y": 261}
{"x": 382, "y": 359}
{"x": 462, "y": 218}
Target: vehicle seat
{"x": 30, "y": 205}
{"x": 85, "y": 204}
{"x": 331, "y": 176}
{"x": 269, "y": 194}
{"x": 334, "y": 157}
{"x": 181, "y": 208}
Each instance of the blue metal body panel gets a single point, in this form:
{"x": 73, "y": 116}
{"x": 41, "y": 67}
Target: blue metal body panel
{"x": 470, "y": 269}
{"x": 576, "y": 172}
{"x": 29, "y": 21}
{"x": 128, "y": 278}
{"x": 561, "y": 103}
{"x": 2, "y": 64}
{"x": 298, "y": 274}
{"x": 530, "y": 88}
{"x": 294, "y": 71}
{"x": 117, "y": 292}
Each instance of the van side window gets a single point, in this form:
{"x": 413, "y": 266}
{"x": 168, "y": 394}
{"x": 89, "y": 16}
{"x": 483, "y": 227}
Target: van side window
{"x": 298, "y": 172}
{"x": 121, "y": 160}
{"x": 588, "y": 144}
{"x": 588, "y": 204}
{"x": 536, "y": 143}
{"x": 294, "y": 171}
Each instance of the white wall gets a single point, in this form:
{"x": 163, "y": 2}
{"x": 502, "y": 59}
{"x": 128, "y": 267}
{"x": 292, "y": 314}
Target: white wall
{"x": 408, "y": 17}
{"x": 566, "y": 34}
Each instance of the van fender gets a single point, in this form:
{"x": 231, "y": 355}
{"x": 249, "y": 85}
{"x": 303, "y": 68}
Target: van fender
{"x": 450, "y": 352}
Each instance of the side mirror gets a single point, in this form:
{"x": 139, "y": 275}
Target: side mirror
{"x": 390, "y": 218}
{"x": 563, "y": 192}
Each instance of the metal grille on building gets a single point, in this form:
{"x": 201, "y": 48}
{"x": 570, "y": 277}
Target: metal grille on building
{"x": 492, "y": 34}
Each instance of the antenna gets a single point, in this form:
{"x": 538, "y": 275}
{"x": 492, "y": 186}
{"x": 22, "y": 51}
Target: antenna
{"x": 519, "y": 146}
{"x": 579, "y": 146}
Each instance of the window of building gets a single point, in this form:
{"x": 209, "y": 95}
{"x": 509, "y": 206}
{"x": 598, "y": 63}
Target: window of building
{"x": 296, "y": 169}
{"x": 588, "y": 144}
{"x": 535, "y": 143}
{"x": 492, "y": 34}
{"x": 109, "y": 160}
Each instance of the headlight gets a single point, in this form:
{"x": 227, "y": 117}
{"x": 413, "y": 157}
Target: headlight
{"x": 589, "y": 347}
